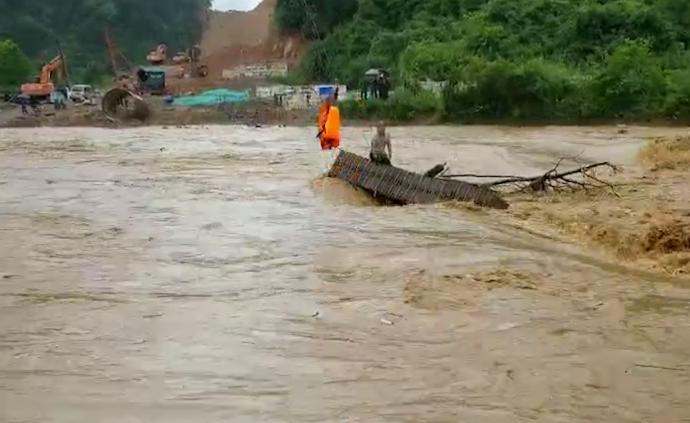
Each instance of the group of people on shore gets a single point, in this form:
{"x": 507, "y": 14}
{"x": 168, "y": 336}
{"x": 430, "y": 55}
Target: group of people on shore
{"x": 377, "y": 87}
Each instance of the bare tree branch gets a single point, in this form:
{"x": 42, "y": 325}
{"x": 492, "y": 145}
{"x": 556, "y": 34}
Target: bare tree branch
{"x": 551, "y": 180}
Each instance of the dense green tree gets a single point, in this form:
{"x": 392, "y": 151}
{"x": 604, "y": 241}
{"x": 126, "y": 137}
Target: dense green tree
{"x": 313, "y": 18}
{"x": 79, "y": 25}
{"x": 632, "y": 83}
{"x": 518, "y": 59}
{"x": 14, "y": 65}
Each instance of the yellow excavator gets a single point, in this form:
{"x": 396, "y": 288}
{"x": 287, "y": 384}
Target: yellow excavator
{"x": 187, "y": 61}
{"x": 158, "y": 56}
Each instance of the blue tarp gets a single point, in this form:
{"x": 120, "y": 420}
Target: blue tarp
{"x": 325, "y": 90}
{"x": 212, "y": 98}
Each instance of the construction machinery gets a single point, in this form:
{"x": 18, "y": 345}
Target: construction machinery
{"x": 118, "y": 62}
{"x": 158, "y": 56}
{"x": 198, "y": 70}
{"x": 190, "y": 59}
{"x": 44, "y": 85}
{"x": 152, "y": 80}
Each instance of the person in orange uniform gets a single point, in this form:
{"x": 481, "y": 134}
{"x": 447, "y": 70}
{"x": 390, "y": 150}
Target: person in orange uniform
{"x": 329, "y": 125}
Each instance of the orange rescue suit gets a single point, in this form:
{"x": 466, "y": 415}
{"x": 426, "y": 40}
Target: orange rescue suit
{"x": 329, "y": 127}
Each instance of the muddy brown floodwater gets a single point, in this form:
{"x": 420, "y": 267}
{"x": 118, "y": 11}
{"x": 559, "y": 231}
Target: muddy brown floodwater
{"x": 208, "y": 274}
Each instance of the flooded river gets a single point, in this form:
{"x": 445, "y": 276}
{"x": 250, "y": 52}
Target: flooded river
{"x": 210, "y": 275}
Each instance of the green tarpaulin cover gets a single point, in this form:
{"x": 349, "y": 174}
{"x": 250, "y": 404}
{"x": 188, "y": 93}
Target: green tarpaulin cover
{"x": 212, "y": 98}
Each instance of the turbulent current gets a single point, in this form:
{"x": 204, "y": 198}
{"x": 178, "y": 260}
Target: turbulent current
{"x": 209, "y": 274}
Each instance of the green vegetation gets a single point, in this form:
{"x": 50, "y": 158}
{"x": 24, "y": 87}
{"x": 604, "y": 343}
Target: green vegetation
{"x": 526, "y": 60}
{"x": 403, "y": 106}
{"x": 79, "y": 25}
{"x": 313, "y": 18}
{"x": 14, "y": 66}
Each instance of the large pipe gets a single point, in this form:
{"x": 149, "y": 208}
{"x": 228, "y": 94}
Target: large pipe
{"x": 122, "y": 104}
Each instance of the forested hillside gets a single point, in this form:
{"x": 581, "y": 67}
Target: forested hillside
{"x": 521, "y": 59}
{"x": 79, "y": 25}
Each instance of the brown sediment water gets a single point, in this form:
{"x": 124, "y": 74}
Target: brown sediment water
{"x": 210, "y": 274}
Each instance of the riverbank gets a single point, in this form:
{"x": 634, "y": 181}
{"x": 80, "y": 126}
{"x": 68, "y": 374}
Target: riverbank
{"x": 644, "y": 220}
{"x": 260, "y": 113}
{"x": 253, "y": 113}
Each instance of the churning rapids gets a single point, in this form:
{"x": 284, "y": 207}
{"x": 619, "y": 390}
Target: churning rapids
{"x": 210, "y": 275}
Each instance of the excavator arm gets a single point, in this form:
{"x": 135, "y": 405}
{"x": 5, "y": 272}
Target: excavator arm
{"x": 45, "y": 86}
{"x": 50, "y": 67}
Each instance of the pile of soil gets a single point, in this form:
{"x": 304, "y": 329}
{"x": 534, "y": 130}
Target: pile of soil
{"x": 226, "y": 29}
{"x": 235, "y": 38}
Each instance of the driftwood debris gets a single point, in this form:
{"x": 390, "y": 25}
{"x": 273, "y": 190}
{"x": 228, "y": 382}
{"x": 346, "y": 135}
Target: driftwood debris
{"x": 583, "y": 177}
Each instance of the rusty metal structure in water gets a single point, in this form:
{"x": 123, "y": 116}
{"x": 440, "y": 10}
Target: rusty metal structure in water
{"x": 122, "y": 104}
{"x": 404, "y": 187}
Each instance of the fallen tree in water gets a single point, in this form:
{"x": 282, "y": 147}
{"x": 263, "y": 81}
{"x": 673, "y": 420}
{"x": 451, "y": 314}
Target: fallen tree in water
{"x": 583, "y": 177}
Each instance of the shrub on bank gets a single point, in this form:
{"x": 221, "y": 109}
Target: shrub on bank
{"x": 403, "y": 105}
{"x": 501, "y": 89}
{"x": 631, "y": 84}
{"x": 677, "y": 102}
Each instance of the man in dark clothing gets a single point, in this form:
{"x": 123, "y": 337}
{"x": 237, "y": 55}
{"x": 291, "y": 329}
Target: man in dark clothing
{"x": 385, "y": 86}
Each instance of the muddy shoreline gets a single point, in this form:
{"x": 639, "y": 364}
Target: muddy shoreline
{"x": 263, "y": 113}
{"x": 255, "y": 113}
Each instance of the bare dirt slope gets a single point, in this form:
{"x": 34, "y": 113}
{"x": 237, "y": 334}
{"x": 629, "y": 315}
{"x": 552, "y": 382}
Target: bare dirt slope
{"x": 234, "y": 38}
{"x": 227, "y": 29}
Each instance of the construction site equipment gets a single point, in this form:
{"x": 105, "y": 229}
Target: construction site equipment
{"x": 118, "y": 62}
{"x": 198, "y": 70}
{"x": 81, "y": 93}
{"x": 180, "y": 58}
{"x": 44, "y": 86}
{"x": 121, "y": 104}
{"x": 192, "y": 57}
{"x": 400, "y": 186}
{"x": 152, "y": 80}
{"x": 158, "y": 56}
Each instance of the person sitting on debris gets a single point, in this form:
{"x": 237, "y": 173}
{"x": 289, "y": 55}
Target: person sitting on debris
{"x": 379, "y": 144}
{"x": 329, "y": 125}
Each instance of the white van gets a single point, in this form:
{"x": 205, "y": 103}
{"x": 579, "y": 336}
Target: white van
{"x": 81, "y": 93}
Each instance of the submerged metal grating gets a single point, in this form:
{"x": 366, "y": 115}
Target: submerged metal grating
{"x": 406, "y": 187}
